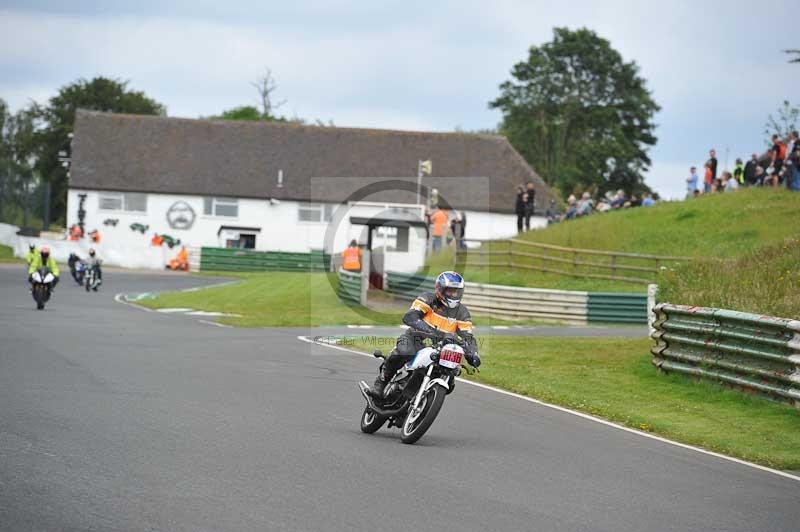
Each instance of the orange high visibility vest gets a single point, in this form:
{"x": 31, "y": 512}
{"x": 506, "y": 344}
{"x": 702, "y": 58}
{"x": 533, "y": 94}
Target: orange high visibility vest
{"x": 352, "y": 259}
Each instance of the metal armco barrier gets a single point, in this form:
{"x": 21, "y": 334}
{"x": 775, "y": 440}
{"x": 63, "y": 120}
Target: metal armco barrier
{"x": 511, "y": 302}
{"x": 759, "y": 354}
{"x": 349, "y": 286}
{"x": 617, "y": 307}
{"x": 247, "y": 260}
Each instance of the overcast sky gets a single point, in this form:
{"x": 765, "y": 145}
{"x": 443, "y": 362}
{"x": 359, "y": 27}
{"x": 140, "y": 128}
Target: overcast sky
{"x": 716, "y": 68}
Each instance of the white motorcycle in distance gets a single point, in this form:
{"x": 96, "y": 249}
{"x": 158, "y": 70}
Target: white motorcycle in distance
{"x": 42, "y": 286}
{"x": 415, "y": 395}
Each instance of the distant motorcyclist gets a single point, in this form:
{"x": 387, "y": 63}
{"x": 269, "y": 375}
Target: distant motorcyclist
{"x": 438, "y": 312}
{"x": 31, "y": 255}
{"x": 94, "y": 262}
{"x": 44, "y": 259}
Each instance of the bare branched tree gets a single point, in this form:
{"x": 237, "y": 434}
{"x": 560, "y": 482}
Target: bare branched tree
{"x": 795, "y": 53}
{"x": 266, "y": 85}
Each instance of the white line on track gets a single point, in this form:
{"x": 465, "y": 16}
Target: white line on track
{"x": 214, "y": 323}
{"x": 586, "y": 416}
{"x": 120, "y": 298}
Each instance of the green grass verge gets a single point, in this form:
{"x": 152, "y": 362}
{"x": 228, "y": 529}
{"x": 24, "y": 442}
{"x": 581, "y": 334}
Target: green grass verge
{"x": 290, "y": 299}
{"x": 7, "y": 254}
{"x": 612, "y": 378}
{"x": 764, "y": 281}
{"x": 274, "y": 299}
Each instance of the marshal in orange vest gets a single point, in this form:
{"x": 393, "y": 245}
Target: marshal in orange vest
{"x": 352, "y": 257}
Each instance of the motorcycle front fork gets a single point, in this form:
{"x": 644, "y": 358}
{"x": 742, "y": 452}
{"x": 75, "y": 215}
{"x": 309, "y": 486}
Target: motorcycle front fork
{"x": 422, "y": 387}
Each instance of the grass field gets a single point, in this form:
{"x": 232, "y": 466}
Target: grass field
{"x": 7, "y": 254}
{"x": 745, "y": 250}
{"x": 290, "y": 299}
{"x": 613, "y": 379}
{"x": 275, "y": 299}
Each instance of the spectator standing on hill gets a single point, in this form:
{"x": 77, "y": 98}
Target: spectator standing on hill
{"x": 712, "y": 162}
{"x": 439, "y": 221}
{"x": 791, "y": 144}
{"x": 519, "y": 209}
{"x": 738, "y": 172}
{"x": 750, "y": 170}
{"x": 708, "y": 178}
{"x": 691, "y": 182}
{"x": 648, "y": 201}
{"x": 778, "y": 152}
{"x": 531, "y": 192}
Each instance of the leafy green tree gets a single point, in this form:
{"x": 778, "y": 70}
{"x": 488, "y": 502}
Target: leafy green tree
{"x": 18, "y": 183}
{"x": 579, "y": 114}
{"x": 244, "y": 112}
{"x": 58, "y": 117}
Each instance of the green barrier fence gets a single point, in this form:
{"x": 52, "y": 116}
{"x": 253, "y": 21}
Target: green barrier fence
{"x": 407, "y": 286}
{"x": 760, "y": 354}
{"x": 559, "y": 305}
{"x": 611, "y": 307}
{"x": 247, "y": 260}
{"x": 349, "y": 287}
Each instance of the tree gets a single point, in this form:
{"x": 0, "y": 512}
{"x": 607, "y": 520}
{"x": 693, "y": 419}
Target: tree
{"x": 795, "y": 54}
{"x": 579, "y": 114}
{"x": 58, "y": 116}
{"x": 782, "y": 123}
{"x": 18, "y": 181}
{"x": 266, "y": 85}
{"x": 244, "y": 112}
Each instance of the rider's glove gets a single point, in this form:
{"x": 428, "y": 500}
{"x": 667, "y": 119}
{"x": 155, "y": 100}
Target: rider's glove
{"x": 473, "y": 359}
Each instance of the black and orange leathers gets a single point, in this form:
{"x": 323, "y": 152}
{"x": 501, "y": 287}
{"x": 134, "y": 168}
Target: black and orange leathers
{"x": 428, "y": 314}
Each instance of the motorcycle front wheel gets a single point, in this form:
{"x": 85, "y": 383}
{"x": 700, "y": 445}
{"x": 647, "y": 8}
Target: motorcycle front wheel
{"x": 370, "y": 421}
{"x": 416, "y": 425}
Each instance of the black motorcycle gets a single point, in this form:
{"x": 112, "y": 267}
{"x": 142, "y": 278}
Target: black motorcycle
{"x": 415, "y": 395}
{"x": 76, "y": 268}
{"x": 42, "y": 286}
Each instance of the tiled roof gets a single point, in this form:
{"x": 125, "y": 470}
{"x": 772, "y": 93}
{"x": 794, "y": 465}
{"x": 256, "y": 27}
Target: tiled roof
{"x": 243, "y": 159}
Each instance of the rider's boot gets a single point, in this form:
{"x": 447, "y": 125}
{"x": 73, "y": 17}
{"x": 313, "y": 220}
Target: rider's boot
{"x": 379, "y": 386}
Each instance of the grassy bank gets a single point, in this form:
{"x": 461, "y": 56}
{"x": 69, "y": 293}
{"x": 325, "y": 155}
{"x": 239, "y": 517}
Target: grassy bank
{"x": 275, "y": 299}
{"x": 613, "y": 379}
{"x": 290, "y": 299}
{"x": 764, "y": 281}
{"x": 7, "y": 254}
{"x": 721, "y": 225}
{"x": 744, "y": 247}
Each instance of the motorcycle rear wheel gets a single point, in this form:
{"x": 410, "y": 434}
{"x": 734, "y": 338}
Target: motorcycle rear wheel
{"x": 414, "y": 428}
{"x": 370, "y": 421}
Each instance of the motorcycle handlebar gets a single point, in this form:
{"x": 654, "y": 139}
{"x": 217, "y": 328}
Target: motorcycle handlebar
{"x": 439, "y": 336}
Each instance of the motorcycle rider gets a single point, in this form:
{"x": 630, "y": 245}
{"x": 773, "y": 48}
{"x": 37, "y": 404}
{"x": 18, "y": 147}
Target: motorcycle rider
{"x": 31, "y": 255}
{"x": 94, "y": 262}
{"x": 44, "y": 259}
{"x": 438, "y": 312}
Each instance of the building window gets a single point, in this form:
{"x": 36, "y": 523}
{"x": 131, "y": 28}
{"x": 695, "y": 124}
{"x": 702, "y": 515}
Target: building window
{"x": 124, "y": 202}
{"x": 315, "y": 212}
{"x": 221, "y": 207}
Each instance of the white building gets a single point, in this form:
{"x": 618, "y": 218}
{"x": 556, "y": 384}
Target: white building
{"x": 283, "y": 187}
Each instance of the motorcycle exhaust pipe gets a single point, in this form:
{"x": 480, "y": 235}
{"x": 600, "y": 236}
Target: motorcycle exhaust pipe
{"x": 380, "y": 411}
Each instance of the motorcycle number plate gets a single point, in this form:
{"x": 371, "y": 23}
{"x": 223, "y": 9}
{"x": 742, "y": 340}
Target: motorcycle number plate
{"x": 450, "y": 359}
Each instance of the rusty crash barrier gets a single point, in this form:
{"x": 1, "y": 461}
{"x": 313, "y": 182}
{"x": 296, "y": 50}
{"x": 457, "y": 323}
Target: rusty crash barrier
{"x": 755, "y": 353}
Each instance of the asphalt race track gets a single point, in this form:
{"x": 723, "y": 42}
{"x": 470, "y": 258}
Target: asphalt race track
{"x": 112, "y": 418}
